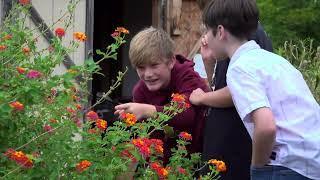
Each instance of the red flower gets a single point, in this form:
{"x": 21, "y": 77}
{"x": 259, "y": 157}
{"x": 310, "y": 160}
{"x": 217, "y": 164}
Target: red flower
{"x": 155, "y": 166}
{"x": 115, "y": 34}
{"x": 17, "y": 105}
{"x": 24, "y": 2}
{"x": 78, "y": 106}
{"x": 26, "y": 50}
{"x": 19, "y": 157}
{"x": 101, "y": 124}
{"x": 91, "y": 115}
{"x": 2, "y": 47}
{"x": 60, "y": 32}
{"x": 47, "y": 128}
{"x": 83, "y": 165}
{"x": 181, "y": 170}
{"x": 185, "y": 136}
{"x": 21, "y": 70}
{"x": 33, "y": 74}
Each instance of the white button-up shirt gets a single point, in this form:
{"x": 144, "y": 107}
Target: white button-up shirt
{"x": 258, "y": 78}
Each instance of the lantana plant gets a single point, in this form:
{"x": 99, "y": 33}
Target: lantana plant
{"x": 47, "y": 129}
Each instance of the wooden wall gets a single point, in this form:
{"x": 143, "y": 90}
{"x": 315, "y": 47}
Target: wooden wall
{"x": 189, "y": 26}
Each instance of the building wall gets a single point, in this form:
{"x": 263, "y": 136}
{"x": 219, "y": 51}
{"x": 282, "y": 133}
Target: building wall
{"x": 50, "y": 11}
{"x": 189, "y": 26}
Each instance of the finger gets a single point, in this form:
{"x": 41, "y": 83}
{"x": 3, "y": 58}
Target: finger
{"x": 122, "y": 106}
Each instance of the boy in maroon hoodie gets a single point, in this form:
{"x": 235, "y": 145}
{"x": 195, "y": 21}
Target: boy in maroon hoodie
{"x": 161, "y": 74}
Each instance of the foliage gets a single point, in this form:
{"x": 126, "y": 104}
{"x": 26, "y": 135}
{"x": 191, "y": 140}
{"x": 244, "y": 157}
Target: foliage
{"x": 42, "y": 134}
{"x": 290, "y": 20}
{"x": 306, "y": 58}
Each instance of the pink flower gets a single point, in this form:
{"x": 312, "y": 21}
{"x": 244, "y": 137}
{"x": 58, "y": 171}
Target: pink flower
{"x": 33, "y": 74}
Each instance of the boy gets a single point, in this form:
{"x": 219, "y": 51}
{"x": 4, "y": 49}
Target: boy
{"x": 161, "y": 73}
{"x": 270, "y": 95}
{"x": 223, "y": 117}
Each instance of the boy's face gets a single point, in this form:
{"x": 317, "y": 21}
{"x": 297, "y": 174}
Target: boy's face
{"x": 156, "y": 76}
{"x": 215, "y": 44}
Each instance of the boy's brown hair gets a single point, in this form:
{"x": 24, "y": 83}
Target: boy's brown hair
{"x": 239, "y": 17}
{"x": 149, "y": 46}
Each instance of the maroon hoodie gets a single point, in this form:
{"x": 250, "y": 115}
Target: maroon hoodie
{"x": 183, "y": 81}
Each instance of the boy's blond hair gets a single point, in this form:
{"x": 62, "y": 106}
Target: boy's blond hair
{"x": 149, "y": 46}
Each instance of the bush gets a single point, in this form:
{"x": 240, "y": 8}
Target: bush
{"x": 42, "y": 130}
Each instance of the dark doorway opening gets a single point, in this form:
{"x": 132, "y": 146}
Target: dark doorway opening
{"x": 133, "y": 15}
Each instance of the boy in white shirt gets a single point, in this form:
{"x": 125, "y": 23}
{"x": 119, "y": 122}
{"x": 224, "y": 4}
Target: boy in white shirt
{"x": 270, "y": 95}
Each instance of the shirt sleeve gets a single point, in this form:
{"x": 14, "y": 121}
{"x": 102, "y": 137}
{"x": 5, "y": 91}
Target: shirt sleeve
{"x": 193, "y": 116}
{"x": 247, "y": 90}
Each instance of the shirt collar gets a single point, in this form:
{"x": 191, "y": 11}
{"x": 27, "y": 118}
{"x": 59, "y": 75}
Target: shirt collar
{"x": 250, "y": 45}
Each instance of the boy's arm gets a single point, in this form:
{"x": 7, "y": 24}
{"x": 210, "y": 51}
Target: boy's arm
{"x": 263, "y": 136}
{"x": 140, "y": 110}
{"x": 220, "y": 98}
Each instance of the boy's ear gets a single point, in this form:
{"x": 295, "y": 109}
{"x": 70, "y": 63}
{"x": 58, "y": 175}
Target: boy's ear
{"x": 221, "y": 32}
{"x": 171, "y": 62}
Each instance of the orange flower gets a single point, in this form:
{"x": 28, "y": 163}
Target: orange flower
{"x": 80, "y": 36}
{"x": 159, "y": 149}
{"x": 129, "y": 118}
{"x": 53, "y": 121}
{"x": 137, "y": 142}
{"x": 60, "y": 32}
{"x": 91, "y": 115}
{"x": 3, "y": 47}
{"x": 24, "y": 2}
{"x": 16, "y": 105}
{"x": 101, "y": 124}
{"x": 220, "y": 165}
{"x": 83, "y": 165}
{"x": 26, "y": 50}
{"x": 21, "y": 70}
{"x": 122, "y": 30}
{"x": 19, "y": 157}
{"x": 7, "y": 37}
{"x": 185, "y": 136}
{"x": 163, "y": 172}
{"x": 179, "y": 98}
{"x": 78, "y": 106}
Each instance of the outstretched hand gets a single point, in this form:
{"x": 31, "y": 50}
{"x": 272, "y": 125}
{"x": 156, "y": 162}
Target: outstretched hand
{"x": 140, "y": 110}
{"x": 196, "y": 96}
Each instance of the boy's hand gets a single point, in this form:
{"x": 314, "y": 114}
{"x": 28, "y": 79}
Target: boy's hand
{"x": 196, "y": 96}
{"x": 138, "y": 109}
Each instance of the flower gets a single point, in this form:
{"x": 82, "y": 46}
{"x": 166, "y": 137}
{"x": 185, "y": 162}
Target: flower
{"x": 83, "y": 165}
{"x": 24, "y": 2}
{"x": 16, "y": 105}
{"x": 60, "y": 32}
{"x": 3, "y": 47}
{"x": 91, "y": 115}
{"x": 179, "y": 98}
{"x": 80, "y": 36}
{"x": 122, "y": 30}
{"x": 47, "y": 128}
{"x": 115, "y": 34}
{"x": 33, "y": 74}
{"x": 78, "y": 106}
{"x": 129, "y": 118}
{"x": 163, "y": 172}
{"x": 7, "y": 37}
{"x": 181, "y": 170}
{"x": 101, "y": 124}
{"x": 220, "y": 165}
{"x": 19, "y": 157}
{"x": 21, "y": 70}
{"x": 26, "y": 50}
{"x": 185, "y": 136}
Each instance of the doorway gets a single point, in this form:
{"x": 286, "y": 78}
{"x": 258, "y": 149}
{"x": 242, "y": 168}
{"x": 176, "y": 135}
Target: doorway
{"x": 133, "y": 15}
